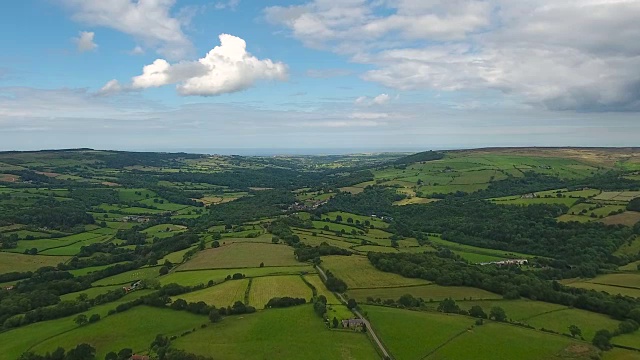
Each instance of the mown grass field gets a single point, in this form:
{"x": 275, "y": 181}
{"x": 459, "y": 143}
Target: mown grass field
{"x": 628, "y": 280}
{"x": 631, "y": 340}
{"x": 132, "y": 329}
{"x": 627, "y": 218}
{"x": 284, "y": 334}
{"x": 516, "y": 200}
{"x": 88, "y": 270}
{"x": 203, "y": 276}
{"x": 516, "y": 310}
{"x": 91, "y": 292}
{"x": 587, "y": 321}
{"x": 10, "y": 262}
{"x": 358, "y": 272}
{"x": 221, "y": 295}
{"x": 129, "y": 276}
{"x": 238, "y": 255}
{"x": 426, "y": 292}
{"x": 437, "y": 240}
{"x": 613, "y": 290}
{"x": 412, "y": 334}
{"x": 500, "y": 341}
{"x": 621, "y": 354}
{"x": 176, "y": 257}
{"x": 265, "y": 288}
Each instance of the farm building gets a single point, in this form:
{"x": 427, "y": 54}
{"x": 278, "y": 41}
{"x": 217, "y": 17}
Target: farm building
{"x": 507, "y": 262}
{"x": 352, "y": 323}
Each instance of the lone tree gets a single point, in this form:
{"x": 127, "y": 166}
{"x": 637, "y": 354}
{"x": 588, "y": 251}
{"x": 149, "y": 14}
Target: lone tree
{"x": 352, "y": 304}
{"x": 477, "y": 312}
{"x": 497, "y": 313}
{"x": 215, "y": 244}
{"x": 448, "y": 306}
{"x": 81, "y": 319}
{"x": 575, "y": 331}
{"x": 214, "y": 316}
{"x": 602, "y": 339}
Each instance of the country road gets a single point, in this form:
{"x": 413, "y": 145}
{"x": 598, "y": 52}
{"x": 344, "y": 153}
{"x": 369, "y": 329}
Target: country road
{"x": 359, "y": 315}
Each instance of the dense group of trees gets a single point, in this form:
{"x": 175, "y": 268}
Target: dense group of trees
{"x": 286, "y": 301}
{"x": 305, "y": 252}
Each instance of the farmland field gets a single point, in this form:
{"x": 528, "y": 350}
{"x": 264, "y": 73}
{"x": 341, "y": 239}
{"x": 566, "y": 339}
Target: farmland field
{"x": 357, "y": 272}
{"x": 499, "y": 341}
{"x": 10, "y": 262}
{"x": 240, "y": 255}
{"x": 221, "y": 295}
{"x": 131, "y": 334}
{"x": 292, "y": 333}
{"x": 560, "y": 321}
{"x": 628, "y": 218}
{"x": 203, "y": 276}
{"x": 426, "y": 292}
{"x": 129, "y": 276}
{"x": 426, "y": 333}
{"x": 613, "y": 290}
{"x": 265, "y": 288}
{"x": 321, "y": 288}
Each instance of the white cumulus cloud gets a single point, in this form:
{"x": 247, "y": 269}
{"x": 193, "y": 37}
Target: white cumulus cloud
{"x": 225, "y": 69}
{"x": 85, "y": 42}
{"x": 381, "y": 99}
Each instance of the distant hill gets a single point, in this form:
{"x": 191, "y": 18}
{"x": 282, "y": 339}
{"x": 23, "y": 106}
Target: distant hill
{"x": 421, "y": 156}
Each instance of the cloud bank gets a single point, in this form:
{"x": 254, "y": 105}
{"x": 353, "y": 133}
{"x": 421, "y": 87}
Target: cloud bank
{"x": 149, "y": 21}
{"x": 84, "y": 41}
{"x": 580, "y": 55}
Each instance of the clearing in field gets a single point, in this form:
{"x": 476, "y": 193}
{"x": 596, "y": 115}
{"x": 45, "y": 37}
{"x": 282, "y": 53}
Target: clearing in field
{"x": 10, "y": 262}
{"x": 196, "y": 277}
{"x": 427, "y": 292}
{"x": 285, "y": 334}
{"x": 266, "y": 288}
{"x": 221, "y": 295}
{"x": 358, "y": 273}
{"x": 238, "y": 255}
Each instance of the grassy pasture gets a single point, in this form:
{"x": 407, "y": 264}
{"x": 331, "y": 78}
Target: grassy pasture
{"x": 631, "y": 266}
{"x": 285, "y": 334}
{"x": 620, "y": 354}
{"x": 612, "y": 290}
{"x": 315, "y": 280}
{"x": 68, "y": 245}
{"x": 627, "y": 218}
{"x": 309, "y": 239}
{"x": 517, "y": 310}
{"x": 238, "y": 255}
{"x": 511, "y": 200}
{"x": 630, "y": 340}
{"x": 587, "y": 321}
{"x": 203, "y": 276}
{"x": 379, "y": 224}
{"x": 436, "y": 240}
{"x": 413, "y": 200}
{"x": 358, "y": 272}
{"x": 164, "y": 230}
{"x": 427, "y": 292}
{"x": 500, "y": 341}
{"x": 176, "y": 257}
{"x": 85, "y": 271}
{"x": 129, "y": 276}
{"x": 478, "y": 258}
{"x": 265, "y": 288}
{"x": 412, "y": 334}
{"x": 622, "y": 196}
{"x": 91, "y": 292}
{"x": 132, "y": 330}
{"x": 10, "y": 262}
{"x": 74, "y": 248}
{"x": 626, "y": 280}
{"x": 221, "y": 295}
{"x": 374, "y": 248}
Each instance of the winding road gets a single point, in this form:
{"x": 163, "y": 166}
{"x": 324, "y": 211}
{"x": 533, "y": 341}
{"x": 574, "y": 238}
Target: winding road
{"x": 359, "y": 315}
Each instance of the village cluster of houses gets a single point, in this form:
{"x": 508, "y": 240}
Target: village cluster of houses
{"x": 298, "y": 206}
{"x": 507, "y": 262}
{"x": 135, "y": 218}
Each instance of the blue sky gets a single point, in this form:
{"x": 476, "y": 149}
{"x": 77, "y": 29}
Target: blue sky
{"x": 318, "y": 74}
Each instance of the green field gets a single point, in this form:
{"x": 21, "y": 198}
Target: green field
{"x": 129, "y": 333}
{"x": 612, "y": 290}
{"x": 221, "y": 295}
{"x": 265, "y": 288}
{"x": 426, "y": 332}
{"x": 516, "y": 200}
{"x": 500, "y": 341}
{"x": 238, "y": 255}
{"x": 88, "y": 270}
{"x": 358, "y": 272}
{"x": 438, "y": 241}
{"x": 10, "y": 262}
{"x": 203, "y": 276}
{"x": 631, "y": 340}
{"x": 426, "y": 292}
{"x": 292, "y": 333}
{"x": 516, "y": 310}
{"x": 315, "y": 280}
{"x": 587, "y": 321}
{"x": 129, "y": 276}
{"x": 164, "y": 230}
